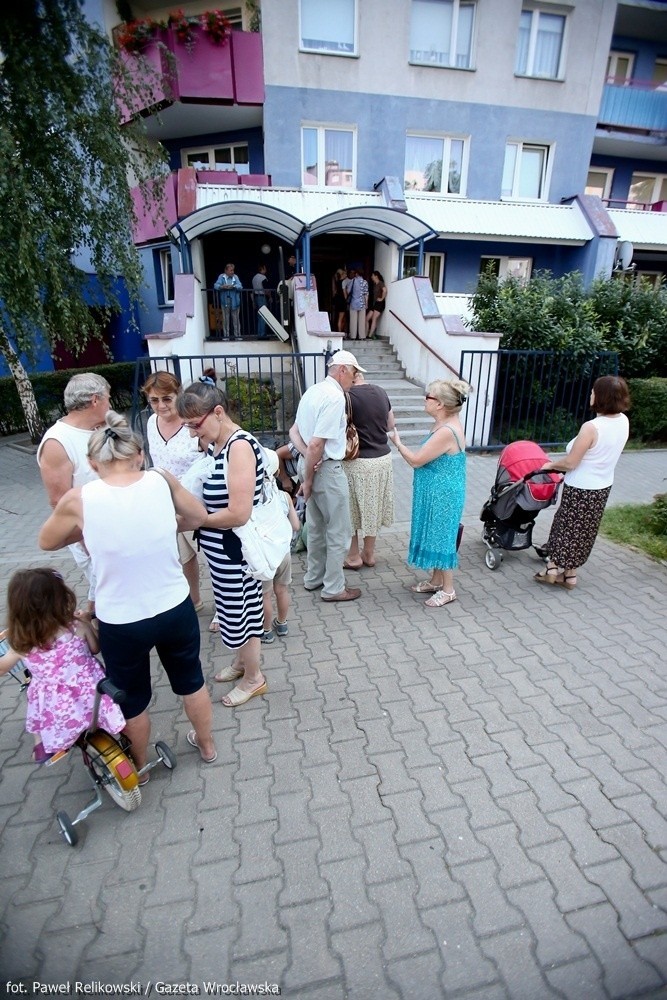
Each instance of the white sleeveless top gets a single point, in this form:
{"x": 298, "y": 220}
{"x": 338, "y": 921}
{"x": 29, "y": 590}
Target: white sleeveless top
{"x": 130, "y": 532}
{"x": 75, "y": 442}
{"x": 596, "y": 469}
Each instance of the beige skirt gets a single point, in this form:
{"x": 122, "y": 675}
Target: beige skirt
{"x": 371, "y": 484}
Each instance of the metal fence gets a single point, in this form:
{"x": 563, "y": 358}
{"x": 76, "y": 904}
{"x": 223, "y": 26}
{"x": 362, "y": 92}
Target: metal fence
{"x": 263, "y": 390}
{"x": 250, "y": 326}
{"x": 540, "y": 396}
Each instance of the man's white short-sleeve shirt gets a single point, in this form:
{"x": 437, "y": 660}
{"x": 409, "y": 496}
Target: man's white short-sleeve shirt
{"x": 321, "y": 414}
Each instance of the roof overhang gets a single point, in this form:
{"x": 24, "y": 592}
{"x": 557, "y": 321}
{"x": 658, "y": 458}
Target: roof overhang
{"x": 387, "y": 224}
{"x": 257, "y": 209}
{"x": 645, "y": 230}
{"x": 239, "y": 215}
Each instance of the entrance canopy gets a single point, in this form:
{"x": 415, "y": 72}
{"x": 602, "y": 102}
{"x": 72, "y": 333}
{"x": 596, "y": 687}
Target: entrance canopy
{"x": 258, "y": 214}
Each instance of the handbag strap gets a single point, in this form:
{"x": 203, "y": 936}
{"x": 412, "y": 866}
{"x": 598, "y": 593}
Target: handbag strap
{"x": 348, "y": 407}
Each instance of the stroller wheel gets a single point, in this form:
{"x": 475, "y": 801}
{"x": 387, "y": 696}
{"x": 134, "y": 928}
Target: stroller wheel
{"x": 493, "y": 558}
{"x": 69, "y": 834}
{"x": 541, "y": 551}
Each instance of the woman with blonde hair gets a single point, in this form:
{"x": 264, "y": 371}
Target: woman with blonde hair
{"x": 128, "y": 520}
{"x": 171, "y": 447}
{"x": 438, "y": 491}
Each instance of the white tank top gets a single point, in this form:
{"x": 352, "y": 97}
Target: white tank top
{"x": 75, "y": 442}
{"x": 596, "y": 469}
{"x": 130, "y": 532}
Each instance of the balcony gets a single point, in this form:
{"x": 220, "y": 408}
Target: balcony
{"x": 634, "y": 108}
{"x": 231, "y": 73}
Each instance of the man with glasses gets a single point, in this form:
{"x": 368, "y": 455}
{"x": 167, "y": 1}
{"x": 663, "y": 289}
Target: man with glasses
{"x": 62, "y": 455}
{"x": 319, "y": 434}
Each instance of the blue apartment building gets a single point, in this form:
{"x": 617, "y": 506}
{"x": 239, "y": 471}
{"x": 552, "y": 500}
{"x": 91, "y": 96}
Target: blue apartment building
{"x": 417, "y": 137}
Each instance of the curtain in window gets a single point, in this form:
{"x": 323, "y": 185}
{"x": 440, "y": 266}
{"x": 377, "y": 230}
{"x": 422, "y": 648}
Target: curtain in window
{"x": 423, "y": 163}
{"x": 338, "y": 158}
{"x": 523, "y": 42}
{"x": 464, "y": 36}
{"x": 548, "y": 45}
{"x": 327, "y": 24}
{"x": 455, "y": 165}
{"x": 507, "y": 186}
{"x": 431, "y": 31}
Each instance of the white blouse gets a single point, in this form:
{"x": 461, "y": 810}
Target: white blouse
{"x": 175, "y": 455}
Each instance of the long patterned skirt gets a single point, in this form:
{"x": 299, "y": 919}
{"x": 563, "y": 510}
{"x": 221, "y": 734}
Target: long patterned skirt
{"x": 371, "y": 485}
{"x": 575, "y": 525}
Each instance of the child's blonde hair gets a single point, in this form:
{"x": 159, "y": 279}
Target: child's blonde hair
{"x": 39, "y": 605}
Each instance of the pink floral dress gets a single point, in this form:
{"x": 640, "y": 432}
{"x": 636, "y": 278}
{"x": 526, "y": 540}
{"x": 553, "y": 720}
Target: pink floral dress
{"x": 62, "y": 691}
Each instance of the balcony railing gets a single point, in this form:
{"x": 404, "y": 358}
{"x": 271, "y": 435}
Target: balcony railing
{"x": 634, "y": 107}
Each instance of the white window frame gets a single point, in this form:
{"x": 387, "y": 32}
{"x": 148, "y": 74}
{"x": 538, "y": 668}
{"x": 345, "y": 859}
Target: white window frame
{"x": 536, "y": 13}
{"x": 322, "y": 128}
{"x": 418, "y": 57}
{"x": 609, "y": 177}
{"x": 322, "y": 50}
{"x": 446, "y": 147}
{"x": 545, "y": 180}
{"x": 658, "y": 181}
{"x": 206, "y": 156}
{"x": 520, "y": 268}
{"x": 613, "y": 76}
{"x": 662, "y": 84}
{"x": 167, "y": 277}
{"x": 433, "y": 263}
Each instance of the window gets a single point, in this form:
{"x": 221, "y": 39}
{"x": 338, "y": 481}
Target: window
{"x": 231, "y": 156}
{"x": 166, "y": 278}
{"x": 659, "y": 78}
{"x": 328, "y": 156}
{"x": 646, "y": 189}
{"x": 441, "y": 33}
{"x": 434, "y": 268}
{"x": 507, "y": 267}
{"x": 525, "y": 171}
{"x": 424, "y": 159}
{"x": 599, "y": 182}
{"x": 540, "y": 48}
{"x": 619, "y": 67}
{"x": 329, "y": 26}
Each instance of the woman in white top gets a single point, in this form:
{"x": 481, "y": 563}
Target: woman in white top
{"x": 589, "y": 474}
{"x": 171, "y": 447}
{"x": 128, "y": 520}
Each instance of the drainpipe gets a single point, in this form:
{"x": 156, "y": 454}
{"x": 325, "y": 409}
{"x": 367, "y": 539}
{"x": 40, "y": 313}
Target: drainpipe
{"x": 420, "y": 262}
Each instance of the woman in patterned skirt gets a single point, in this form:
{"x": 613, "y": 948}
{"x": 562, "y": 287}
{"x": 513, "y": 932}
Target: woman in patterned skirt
{"x": 589, "y": 473}
{"x": 438, "y": 491}
{"x": 230, "y": 493}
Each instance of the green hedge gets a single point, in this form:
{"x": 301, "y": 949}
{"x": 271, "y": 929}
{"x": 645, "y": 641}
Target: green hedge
{"x": 49, "y": 388}
{"x": 648, "y": 415}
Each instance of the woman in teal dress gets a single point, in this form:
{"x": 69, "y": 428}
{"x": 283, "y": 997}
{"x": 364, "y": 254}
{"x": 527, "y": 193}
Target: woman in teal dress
{"x": 438, "y": 491}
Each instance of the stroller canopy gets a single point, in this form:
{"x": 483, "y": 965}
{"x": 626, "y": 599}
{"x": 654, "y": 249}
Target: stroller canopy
{"x": 522, "y": 457}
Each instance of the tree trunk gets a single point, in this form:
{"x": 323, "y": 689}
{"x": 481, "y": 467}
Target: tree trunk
{"x": 24, "y": 388}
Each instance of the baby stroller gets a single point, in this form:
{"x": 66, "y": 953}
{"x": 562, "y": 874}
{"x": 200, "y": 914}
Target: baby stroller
{"x": 106, "y": 757}
{"x": 519, "y": 493}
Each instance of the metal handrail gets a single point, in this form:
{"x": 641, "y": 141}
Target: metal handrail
{"x": 424, "y": 344}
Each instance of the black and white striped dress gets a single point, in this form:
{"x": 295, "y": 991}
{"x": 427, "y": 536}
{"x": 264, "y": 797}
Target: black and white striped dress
{"x": 238, "y": 597}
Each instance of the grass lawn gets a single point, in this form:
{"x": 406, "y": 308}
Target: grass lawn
{"x": 639, "y": 525}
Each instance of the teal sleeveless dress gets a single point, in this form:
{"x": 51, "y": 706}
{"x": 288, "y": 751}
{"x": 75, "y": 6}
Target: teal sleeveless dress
{"x": 438, "y": 496}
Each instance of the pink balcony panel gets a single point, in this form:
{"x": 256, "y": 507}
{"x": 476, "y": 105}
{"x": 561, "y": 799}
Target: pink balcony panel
{"x": 150, "y": 68}
{"x": 255, "y": 180}
{"x": 149, "y": 225}
{"x": 248, "y": 67}
{"x": 187, "y": 191}
{"x": 217, "y": 177}
{"x": 204, "y": 72}
{"x": 659, "y": 206}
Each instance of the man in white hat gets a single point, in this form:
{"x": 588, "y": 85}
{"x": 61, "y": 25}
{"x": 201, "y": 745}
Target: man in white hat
{"x": 319, "y": 434}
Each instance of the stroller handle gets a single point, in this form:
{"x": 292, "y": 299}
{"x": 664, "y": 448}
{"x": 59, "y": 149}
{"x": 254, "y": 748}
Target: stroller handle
{"x": 542, "y": 472}
{"x": 105, "y": 686}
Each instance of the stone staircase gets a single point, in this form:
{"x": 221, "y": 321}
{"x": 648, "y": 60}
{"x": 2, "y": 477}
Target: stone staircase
{"x": 407, "y": 399}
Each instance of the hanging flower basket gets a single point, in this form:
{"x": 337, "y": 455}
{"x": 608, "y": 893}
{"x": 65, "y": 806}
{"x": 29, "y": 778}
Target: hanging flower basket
{"x": 134, "y": 36}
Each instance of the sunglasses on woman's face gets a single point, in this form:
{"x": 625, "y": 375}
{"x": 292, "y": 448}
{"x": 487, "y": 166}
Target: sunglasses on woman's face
{"x": 197, "y": 425}
{"x": 156, "y": 400}
{"x": 433, "y": 398}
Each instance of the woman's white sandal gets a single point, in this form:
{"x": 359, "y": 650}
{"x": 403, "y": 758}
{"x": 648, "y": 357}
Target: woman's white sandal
{"x": 440, "y": 598}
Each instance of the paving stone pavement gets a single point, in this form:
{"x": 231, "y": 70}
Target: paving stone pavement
{"x": 467, "y": 802}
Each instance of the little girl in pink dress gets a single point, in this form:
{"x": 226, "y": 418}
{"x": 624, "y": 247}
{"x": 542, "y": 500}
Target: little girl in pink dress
{"x": 57, "y": 648}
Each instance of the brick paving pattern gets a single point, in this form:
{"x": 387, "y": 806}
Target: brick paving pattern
{"x": 466, "y": 802}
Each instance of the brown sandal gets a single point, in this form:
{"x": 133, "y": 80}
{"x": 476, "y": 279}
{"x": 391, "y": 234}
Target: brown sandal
{"x": 546, "y": 577}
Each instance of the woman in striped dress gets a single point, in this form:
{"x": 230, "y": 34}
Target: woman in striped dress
{"x": 230, "y": 493}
